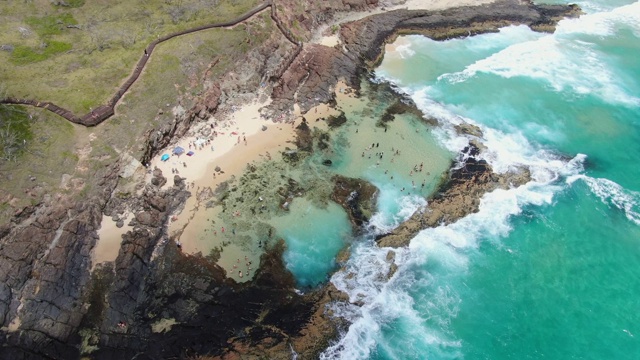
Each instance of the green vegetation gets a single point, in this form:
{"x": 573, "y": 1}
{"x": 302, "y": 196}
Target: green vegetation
{"x": 23, "y": 55}
{"x": 15, "y": 131}
{"x": 179, "y": 69}
{"x": 51, "y": 24}
{"x": 41, "y": 161}
{"x": 74, "y": 3}
{"x": 108, "y": 38}
{"x": 61, "y": 158}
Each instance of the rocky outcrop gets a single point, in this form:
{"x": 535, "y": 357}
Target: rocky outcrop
{"x": 457, "y": 197}
{"x": 302, "y": 18}
{"x": 312, "y": 76}
{"x": 356, "y": 196}
{"x": 365, "y": 38}
{"x": 44, "y": 269}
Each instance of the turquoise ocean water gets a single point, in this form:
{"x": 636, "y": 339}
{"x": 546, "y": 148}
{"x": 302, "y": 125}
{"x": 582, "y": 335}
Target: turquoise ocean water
{"x": 549, "y": 270}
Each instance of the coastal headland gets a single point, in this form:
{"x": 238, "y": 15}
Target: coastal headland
{"x": 146, "y": 288}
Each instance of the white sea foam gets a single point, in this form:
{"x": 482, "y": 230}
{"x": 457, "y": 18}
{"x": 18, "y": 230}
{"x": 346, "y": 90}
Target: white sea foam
{"x": 565, "y": 60}
{"x": 405, "y": 51}
{"x": 612, "y": 194}
{"x": 384, "y": 301}
{"x": 603, "y": 23}
{"x": 387, "y": 219}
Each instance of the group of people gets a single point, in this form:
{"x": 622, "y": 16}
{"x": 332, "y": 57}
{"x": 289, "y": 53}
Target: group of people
{"x": 379, "y": 156}
{"x": 248, "y": 263}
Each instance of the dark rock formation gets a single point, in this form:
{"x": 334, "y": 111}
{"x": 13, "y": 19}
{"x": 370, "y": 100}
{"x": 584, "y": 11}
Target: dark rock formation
{"x": 316, "y": 70}
{"x": 212, "y": 315}
{"x": 44, "y": 269}
{"x": 312, "y": 76}
{"x": 304, "y": 138}
{"x": 457, "y": 197}
{"x": 365, "y": 38}
{"x": 336, "y": 121}
{"x": 356, "y": 196}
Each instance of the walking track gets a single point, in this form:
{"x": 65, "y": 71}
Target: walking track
{"x": 103, "y": 112}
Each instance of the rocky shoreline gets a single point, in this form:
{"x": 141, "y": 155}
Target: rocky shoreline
{"x": 53, "y": 306}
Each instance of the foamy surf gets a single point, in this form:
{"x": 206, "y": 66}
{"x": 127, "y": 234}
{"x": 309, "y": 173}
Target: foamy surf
{"x": 365, "y": 278}
{"x": 612, "y": 194}
{"x": 554, "y": 58}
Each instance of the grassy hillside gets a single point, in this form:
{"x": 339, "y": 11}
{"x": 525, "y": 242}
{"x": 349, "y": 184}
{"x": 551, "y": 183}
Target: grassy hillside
{"x": 78, "y": 53}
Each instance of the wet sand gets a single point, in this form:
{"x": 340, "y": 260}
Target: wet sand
{"x": 110, "y": 238}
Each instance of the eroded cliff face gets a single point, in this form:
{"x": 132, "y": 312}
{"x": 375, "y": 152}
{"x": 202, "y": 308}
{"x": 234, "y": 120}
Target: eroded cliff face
{"x": 303, "y": 17}
{"x": 44, "y": 272}
{"x": 157, "y": 302}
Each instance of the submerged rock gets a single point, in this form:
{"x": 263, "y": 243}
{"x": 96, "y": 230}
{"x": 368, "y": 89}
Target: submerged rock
{"x": 358, "y": 197}
{"x": 336, "y": 121}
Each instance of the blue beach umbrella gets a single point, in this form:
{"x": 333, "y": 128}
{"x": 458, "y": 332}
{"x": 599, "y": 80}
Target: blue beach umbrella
{"x": 165, "y": 157}
{"x": 178, "y": 150}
